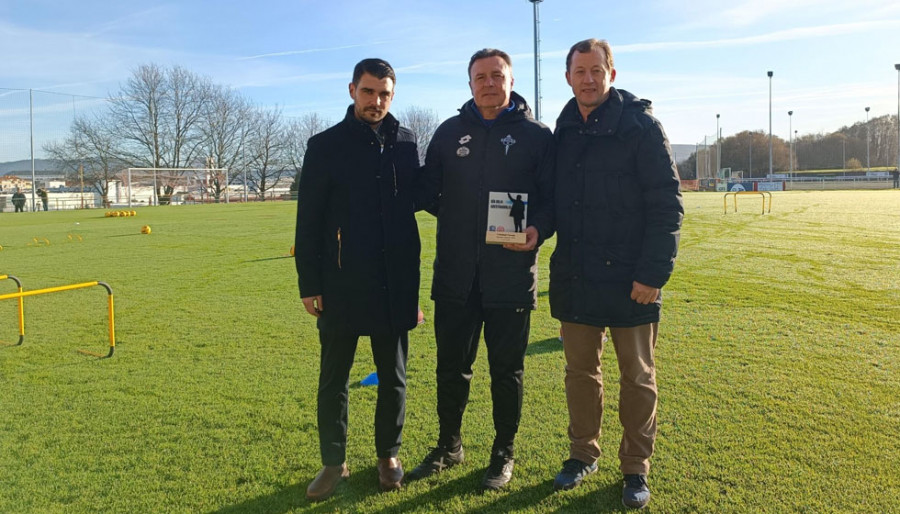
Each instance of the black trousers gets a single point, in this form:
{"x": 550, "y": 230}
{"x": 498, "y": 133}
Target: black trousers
{"x": 338, "y": 349}
{"x": 457, "y": 331}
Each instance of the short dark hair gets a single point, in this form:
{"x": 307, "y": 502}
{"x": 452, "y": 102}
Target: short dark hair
{"x": 489, "y": 52}
{"x": 588, "y": 45}
{"x": 378, "y": 68}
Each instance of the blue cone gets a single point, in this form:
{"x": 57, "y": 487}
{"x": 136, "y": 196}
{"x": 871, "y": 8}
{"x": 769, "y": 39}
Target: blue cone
{"x": 370, "y": 380}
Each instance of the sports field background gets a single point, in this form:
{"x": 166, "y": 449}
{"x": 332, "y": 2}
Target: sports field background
{"x": 778, "y": 366}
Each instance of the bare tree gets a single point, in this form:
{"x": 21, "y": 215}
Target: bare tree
{"x": 137, "y": 111}
{"x": 422, "y": 122}
{"x": 157, "y": 113}
{"x": 90, "y": 153}
{"x": 299, "y": 130}
{"x": 225, "y": 128}
{"x": 267, "y": 151}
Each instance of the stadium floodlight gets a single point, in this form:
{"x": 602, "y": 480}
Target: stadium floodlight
{"x": 897, "y": 67}
{"x": 791, "y": 145}
{"x": 718, "y": 148}
{"x": 537, "y": 61}
{"x": 770, "y": 120}
{"x": 868, "y": 165}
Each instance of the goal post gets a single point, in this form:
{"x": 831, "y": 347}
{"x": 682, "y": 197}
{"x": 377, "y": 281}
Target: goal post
{"x": 178, "y": 185}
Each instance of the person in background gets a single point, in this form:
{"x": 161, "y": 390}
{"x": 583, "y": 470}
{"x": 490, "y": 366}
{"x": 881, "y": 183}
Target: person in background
{"x": 18, "y": 200}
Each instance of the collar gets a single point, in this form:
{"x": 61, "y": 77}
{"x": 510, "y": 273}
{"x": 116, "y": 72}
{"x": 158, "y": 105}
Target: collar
{"x": 488, "y": 123}
{"x": 389, "y": 125}
{"x": 602, "y": 121}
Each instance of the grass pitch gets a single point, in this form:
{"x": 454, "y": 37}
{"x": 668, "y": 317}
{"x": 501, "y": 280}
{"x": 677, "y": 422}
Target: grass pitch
{"x": 777, "y": 365}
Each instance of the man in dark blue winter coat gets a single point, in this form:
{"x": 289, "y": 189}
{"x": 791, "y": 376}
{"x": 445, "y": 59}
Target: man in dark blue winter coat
{"x": 357, "y": 256}
{"x": 492, "y": 145}
{"x": 618, "y": 217}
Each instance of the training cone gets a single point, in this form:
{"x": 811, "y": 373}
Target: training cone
{"x": 371, "y": 380}
{"x": 292, "y": 250}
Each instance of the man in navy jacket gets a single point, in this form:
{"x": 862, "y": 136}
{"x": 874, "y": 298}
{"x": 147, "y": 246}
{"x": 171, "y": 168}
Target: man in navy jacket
{"x": 618, "y": 217}
{"x": 492, "y": 145}
{"x": 357, "y": 256}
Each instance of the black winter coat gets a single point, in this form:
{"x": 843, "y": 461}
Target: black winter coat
{"x": 467, "y": 160}
{"x": 618, "y": 213}
{"x": 357, "y": 242}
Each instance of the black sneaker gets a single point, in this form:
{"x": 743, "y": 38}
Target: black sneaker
{"x": 437, "y": 460}
{"x": 573, "y": 472}
{"x": 498, "y": 473}
{"x": 635, "y": 493}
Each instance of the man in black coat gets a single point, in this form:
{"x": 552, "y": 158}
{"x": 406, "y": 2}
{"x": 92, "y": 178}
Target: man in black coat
{"x": 18, "y": 201}
{"x": 493, "y": 145}
{"x": 357, "y": 257}
{"x": 618, "y": 218}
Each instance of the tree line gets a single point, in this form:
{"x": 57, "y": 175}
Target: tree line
{"x": 748, "y": 151}
{"x": 173, "y": 118}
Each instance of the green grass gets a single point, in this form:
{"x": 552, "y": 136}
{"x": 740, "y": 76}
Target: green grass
{"x": 777, "y": 364}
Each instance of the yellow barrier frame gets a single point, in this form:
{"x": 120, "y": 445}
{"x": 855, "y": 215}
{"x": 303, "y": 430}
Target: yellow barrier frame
{"x": 736, "y": 193}
{"x": 21, "y": 310}
{"x": 112, "y": 313}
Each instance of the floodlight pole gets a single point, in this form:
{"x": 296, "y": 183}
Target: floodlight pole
{"x": 697, "y": 160}
{"x": 770, "y": 121}
{"x": 718, "y": 148}
{"x": 868, "y": 164}
{"x": 537, "y": 60}
{"x": 31, "y": 122}
{"x": 897, "y": 67}
{"x": 751, "y": 154}
{"x": 791, "y": 146}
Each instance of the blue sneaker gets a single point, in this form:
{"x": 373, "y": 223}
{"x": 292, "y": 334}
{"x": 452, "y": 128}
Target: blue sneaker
{"x": 573, "y": 472}
{"x": 635, "y": 493}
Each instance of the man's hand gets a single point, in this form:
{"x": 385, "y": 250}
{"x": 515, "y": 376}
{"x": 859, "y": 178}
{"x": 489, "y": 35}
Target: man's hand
{"x": 642, "y": 294}
{"x": 531, "y": 237}
{"x": 314, "y": 305}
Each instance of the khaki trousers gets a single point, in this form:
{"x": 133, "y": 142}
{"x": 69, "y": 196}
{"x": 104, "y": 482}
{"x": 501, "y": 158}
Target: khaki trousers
{"x": 637, "y": 398}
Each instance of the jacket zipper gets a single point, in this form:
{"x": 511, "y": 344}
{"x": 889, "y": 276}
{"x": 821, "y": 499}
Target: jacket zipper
{"x": 339, "y": 247}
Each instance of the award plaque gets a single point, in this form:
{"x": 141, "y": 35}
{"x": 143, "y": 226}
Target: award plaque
{"x": 506, "y": 218}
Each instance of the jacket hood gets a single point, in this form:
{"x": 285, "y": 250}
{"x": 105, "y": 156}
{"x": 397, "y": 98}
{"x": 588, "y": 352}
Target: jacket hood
{"x": 606, "y": 118}
{"x": 521, "y": 109}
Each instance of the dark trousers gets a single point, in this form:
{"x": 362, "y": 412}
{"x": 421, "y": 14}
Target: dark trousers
{"x": 389, "y": 352}
{"x": 457, "y": 331}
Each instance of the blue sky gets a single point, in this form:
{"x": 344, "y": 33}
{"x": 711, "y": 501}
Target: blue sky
{"x": 694, "y": 59}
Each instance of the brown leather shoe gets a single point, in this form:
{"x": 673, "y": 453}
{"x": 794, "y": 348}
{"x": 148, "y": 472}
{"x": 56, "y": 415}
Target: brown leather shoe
{"x": 326, "y": 482}
{"x": 390, "y": 473}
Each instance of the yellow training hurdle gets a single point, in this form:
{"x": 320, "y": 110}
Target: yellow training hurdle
{"x": 736, "y": 193}
{"x": 21, "y": 310}
{"x": 111, "y": 307}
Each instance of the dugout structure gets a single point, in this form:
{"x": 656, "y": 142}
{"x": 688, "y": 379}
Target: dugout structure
{"x": 168, "y": 186}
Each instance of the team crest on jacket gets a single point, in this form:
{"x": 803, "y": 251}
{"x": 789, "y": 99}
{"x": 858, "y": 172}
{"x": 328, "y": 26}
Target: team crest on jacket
{"x": 463, "y": 151}
{"x": 507, "y": 142}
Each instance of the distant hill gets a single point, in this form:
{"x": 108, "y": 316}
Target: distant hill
{"x": 42, "y": 167}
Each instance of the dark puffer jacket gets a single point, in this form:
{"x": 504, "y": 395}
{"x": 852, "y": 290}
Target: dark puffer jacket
{"x": 618, "y": 213}
{"x": 467, "y": 160}
{"x": 357, "y": 242}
